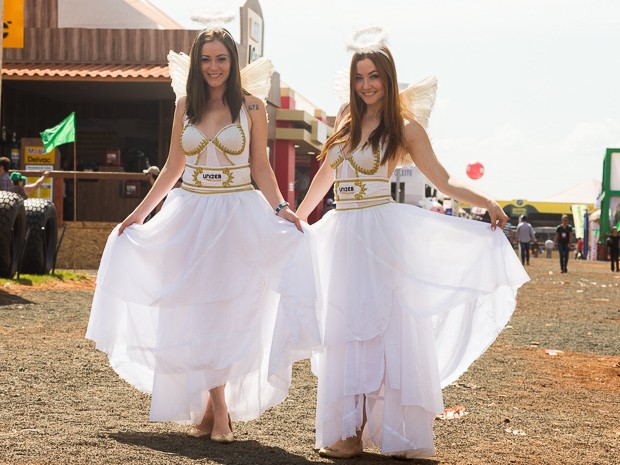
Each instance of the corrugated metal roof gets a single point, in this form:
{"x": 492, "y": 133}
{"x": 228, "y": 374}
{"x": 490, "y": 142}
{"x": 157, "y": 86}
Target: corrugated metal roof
{"x": 86, "y": 71}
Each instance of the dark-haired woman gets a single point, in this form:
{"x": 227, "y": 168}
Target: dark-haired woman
{"x": 411, "y": 297}
{"x": 207, "y": 305}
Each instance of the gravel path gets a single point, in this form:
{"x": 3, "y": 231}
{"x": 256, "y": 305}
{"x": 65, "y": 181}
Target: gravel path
{"x": 62, "y": 404}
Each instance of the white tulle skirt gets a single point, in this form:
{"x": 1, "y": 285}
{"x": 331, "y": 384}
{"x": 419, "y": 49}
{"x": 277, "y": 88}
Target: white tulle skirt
{"x": 214, "y": 290}
{"x": 411, "y": 299}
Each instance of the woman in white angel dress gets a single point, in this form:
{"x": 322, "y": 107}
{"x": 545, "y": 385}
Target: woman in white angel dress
{"x": 411, "y": 297}
{"x": 207, "y": 306}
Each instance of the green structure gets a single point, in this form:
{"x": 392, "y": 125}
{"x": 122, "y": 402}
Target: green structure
{"x": 610, "y": 197}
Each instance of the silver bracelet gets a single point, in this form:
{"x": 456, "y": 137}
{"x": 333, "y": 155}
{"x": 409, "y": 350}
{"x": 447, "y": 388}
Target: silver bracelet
{"x": 280, "y": 207}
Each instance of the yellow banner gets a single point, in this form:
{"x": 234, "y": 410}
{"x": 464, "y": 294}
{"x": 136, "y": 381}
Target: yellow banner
{"x": 13, "y": 27}
{"x": 523, "y": 207}
{"x": 37, "y": 156}
{"x": 43, "y": 192}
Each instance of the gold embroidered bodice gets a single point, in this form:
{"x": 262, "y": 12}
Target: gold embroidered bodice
{"x": 362, "y": 161}
{"x": 230, "y": 141}
{"x": 217, "y": 165}
{"x": 360, "y": 181}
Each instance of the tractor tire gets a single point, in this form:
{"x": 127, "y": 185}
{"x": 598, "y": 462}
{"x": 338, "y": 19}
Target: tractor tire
{"x": 40, "y": 249}
{"x": 12, "y": 232}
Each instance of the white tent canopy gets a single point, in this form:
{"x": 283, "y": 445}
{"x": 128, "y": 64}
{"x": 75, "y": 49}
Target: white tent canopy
{"x": 586, "y": 192}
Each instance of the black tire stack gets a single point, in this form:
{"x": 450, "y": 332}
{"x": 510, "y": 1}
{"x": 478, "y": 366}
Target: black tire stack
{"x": 12, "y": 232}
{"x": 40, "y": 250}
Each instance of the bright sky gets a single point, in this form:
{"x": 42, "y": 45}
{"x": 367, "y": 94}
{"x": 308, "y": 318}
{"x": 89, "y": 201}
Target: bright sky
{"x": 529, "y": 88}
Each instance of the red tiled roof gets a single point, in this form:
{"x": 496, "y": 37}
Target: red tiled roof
{"x": 86, "y": 71}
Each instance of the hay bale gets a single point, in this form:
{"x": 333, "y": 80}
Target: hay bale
{"x": 82, "y": 245}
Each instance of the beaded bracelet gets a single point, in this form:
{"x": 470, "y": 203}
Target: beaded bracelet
{"x": 280, "y": 207}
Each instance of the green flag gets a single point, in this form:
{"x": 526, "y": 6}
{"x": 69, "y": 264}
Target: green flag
{"x": 62, "y": 133}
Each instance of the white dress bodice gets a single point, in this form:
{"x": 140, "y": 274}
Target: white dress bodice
{"x": 218, "y": 165}
{"x": 360, "y": 180}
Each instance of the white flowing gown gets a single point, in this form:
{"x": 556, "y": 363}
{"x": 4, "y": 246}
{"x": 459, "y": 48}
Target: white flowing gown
{"x": 214, "y": 290}
{"x": 411, "y": 299}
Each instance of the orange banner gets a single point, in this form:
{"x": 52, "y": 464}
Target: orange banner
{"x": 13, "y": 24}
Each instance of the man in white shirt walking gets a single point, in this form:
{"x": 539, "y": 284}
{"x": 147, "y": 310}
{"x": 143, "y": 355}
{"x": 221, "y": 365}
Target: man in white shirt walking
{"x": 525, "y": 234}
{"x": 549, "y": 247}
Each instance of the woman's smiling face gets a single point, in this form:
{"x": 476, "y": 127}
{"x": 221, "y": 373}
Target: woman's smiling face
{"x": 215, "y": 63}
{"x": 368, "y": 83}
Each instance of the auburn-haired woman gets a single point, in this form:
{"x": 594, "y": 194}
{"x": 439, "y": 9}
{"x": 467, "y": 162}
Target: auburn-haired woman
{"x": 207, "y": 305}
{"x": 411, "y": 297}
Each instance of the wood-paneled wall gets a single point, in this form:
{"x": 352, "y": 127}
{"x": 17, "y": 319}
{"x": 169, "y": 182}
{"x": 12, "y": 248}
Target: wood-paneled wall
{"x": 40, "y": 13}
{"x": 44, "y": 42}
{"x": 146, "y": 46}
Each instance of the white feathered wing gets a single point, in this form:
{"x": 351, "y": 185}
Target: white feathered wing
{"x": 419, "y": 99}
{"x": 178, "y": 68}
{"x": 256, "y": 78}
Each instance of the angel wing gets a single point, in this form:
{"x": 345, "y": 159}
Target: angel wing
{"x": 255, "y": 77}
{"x": 419, "y": 99}
{"x": 341, "y": 85}
{"x": 178, "y": 68}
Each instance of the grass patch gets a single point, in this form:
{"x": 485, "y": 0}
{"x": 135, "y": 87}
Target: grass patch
{"x": 63, "y": 276}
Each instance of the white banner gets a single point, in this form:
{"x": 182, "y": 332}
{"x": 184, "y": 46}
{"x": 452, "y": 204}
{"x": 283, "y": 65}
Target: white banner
{"x": 578, "y": 212}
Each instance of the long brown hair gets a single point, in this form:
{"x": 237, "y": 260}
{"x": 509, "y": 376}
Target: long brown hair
{"x": 198, "y": 89}
{"x": 390, "y": 129}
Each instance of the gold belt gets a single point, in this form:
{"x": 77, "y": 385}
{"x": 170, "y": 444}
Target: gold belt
{"x": 216, "y": 180}
{"x": 356, "y": 193}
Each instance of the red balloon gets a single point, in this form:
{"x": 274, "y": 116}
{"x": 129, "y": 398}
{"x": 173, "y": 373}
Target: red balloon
{"x": 475, "y": 170}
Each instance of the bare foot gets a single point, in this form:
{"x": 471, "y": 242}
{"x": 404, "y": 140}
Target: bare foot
{"x": 221, "y": 424}
{"x": 222, "y": 427}
{"x": 206, "y": 425}
{"x": 344, "y": 448}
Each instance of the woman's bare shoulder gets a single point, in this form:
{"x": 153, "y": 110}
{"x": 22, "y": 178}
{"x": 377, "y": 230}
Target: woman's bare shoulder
{"x": 343, "y": 112}
{"x": 181, "y": 106}
{"x": 412, "y": 129}
{"x": 253, "y": 103}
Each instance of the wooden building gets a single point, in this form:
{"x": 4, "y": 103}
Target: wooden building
{"x": 117, "y": 82}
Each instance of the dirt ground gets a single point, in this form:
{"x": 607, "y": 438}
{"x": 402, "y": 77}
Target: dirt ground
{"x": 62, "y": 404}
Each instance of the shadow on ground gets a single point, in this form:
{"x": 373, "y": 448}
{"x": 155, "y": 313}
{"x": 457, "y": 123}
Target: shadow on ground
{"x": 238, "y": 453}
{"x": 11, "y": 299}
